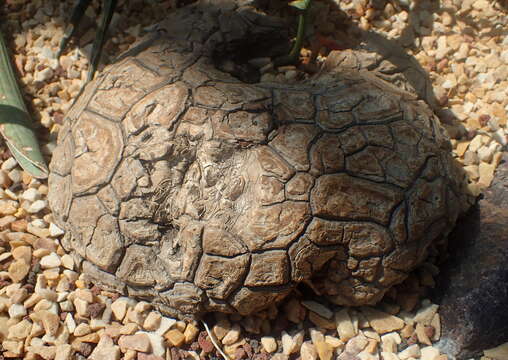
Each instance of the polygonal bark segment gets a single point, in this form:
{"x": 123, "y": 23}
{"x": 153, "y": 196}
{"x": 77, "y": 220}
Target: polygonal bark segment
{"x": 307, "y": 258}
{"x": 365, "y": 164}
{"x": 293, "y": 105}
{"x": 299, "y": 186}
{"x": 273, "y": 226}
{"x": 139, "y": 266}
{"x": 106, "y": 247}
{"x": 325, "y": 232}
{"x": 326, "y": 156}
{"x": 378, "y": 106}
{"x": 154, "y": 109}
{"x": 367, "y": 239}
{"x": 246, "y": 301}
{"x": 342, "y": 196}
{"x": 217, "y": 241}
{"x": 185, "y": 297}
{"x": 98, "y": 148}
{"x": 270, "y": 190}
{"x": 272, "y": 163}
{"x": 116, "y": 93}
{"x": 292, "y": 141}
{"x": 269, "y": 268}
{"x": 220, "y": 276}
{"x": 125, "y": 179}
{"x": 61, "y": 162}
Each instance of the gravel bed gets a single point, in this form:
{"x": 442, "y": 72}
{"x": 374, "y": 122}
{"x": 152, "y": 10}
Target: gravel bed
{"x": 49, "y": 311}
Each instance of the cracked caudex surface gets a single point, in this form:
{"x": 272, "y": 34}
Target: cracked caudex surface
{"x": 178, "y": 183}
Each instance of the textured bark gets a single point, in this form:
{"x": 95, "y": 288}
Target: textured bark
{"x": 189, "y": 187}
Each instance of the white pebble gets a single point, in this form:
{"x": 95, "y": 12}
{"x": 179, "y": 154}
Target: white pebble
{"x": 50, "y": 261}
{"x": 55, "y": 231}
{"x": 9, "y": 164}
{"x": 37, "y": 206}
{"x": 43, "y": 75}
{"x": 17, "y": 311}
{"x": 31, "y": 195}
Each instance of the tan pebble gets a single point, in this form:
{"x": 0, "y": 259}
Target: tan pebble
{"x": 165, "y": 324}
{"x": 82, "y": 330}
{"x": 129, "y": 329}
{"x": 308, "y": 351}
{"x": 221, "y": 328}
{"x": 421, "y": 334}
{"x": 429, "y": 353}
{"x": 322, "y": 322}
{"x": 15, "y": 347}
{"x": 356, "y": 344}
{"x": 50, "y": 321}
{"x": 318, "y": 308}
{"x": 436, "y": 324}
{"x": 232, "y": 336}
{"x": 371, "y": 347}
{"x": 119, "y": 308}
{"x": 407, "y": 331}
{"x": 23, "y": 253}
{"x": 345, "y": 327}
{"x": 291, "y": 343}
{"x": 498, "y": 352}
{"x": 130, "y": 355}
{"x": 152, "y": 321}
{"x": 382, "y": 322}
{"x": 389, "y": 356}
{"x": 64, "y": 352}
{"x": 390, "y": 341}
{"x": 52, "y": 274}
{"x": 16, "y": 311}
{"x": 316, "y": 335}
{"x": 81, "y": 307}
{"x": 18, "y": 270}
{"x": 89, "y": 338}
{"x": 269, "y": 344}
{"x": 40, "y": 253}
{"x": 18, "y": 296}
{"x": 68, "y": 261}
{"x": 324, "y": 350}
{"x": 371, "y": 334}
{"x": 70, "y": 323}
{"x": 137, "y": 342}
{"x": 442, "y": 357}
{"x": 85, "y": 294}
{"x": 409, "y": 352}
{"x": 336, "y": 343}
{"x": 426, "y": 313}
{"x": 20, "y": 331}
{"x": 175, "y": 337}
{"x": 180, "y": 325}
{"x": 105, "y": 350}
{"x": 190, "y": 333}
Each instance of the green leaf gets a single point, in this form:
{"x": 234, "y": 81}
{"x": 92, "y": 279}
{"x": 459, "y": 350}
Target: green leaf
{"x": 15, "y": 122}
{"x": 300, "y": 4}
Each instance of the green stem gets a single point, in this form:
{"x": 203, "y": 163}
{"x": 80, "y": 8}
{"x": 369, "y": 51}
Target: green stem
{"x": 15, "y": 122}
{"x": 294, "y": 54}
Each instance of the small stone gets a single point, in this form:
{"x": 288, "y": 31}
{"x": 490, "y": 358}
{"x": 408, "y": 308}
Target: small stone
{"x": 390, "y": 341}
{"x": 70, "y": 323}
{"x": 190, "y": 333}
{"x": 324, "y": 350}
{"x": 50, "y": 261}
{"x": 221, "y": 328}
{"x": 50, "y": 322}
{"x": 20, "y": 331}
{"x": 81, "y": 307}
{"x": 43, "y": 75}
{"x": 436, "y": 325}
{"x": 165, "y": 324}
{"x": 382, "y": 322}
{"x": 67, "y": 261}
{"x": 175, "y": 337}
{"x": 336, "y": 343}
{"x": 389, "y": 356}
{"x": 371, "y": 347}
{"x": 18, "y": 270}
{"x": 425, "y": 314}
{"x": 37, "y": 206}
{"x": 55, "y": 231}
{"x": 322, "y": 322}
{"x": 357, "y": 344}
{"x": 499, "y": 352}
{"x": 291, "y": 344}
{"x": 82, "y": 330}
{"x": 232, "y": 336}
{"x": 429, "y": 353}
{"x": 345, "y": 326}
{"x": 64, "y": 351}
{"x": 119, "y": 308}
{"x": 22, "y": 253}
{"x": 156, "y": 343}
{"x": 152, "y": 321}
{"x": 412, "y": 351}
{"x": 318, "y": 308}
{"x": 421, "y": 333}
{"x": 308, "y": 351}
{"x": 17, "y": 311}
{"x": 137, "y": 342}
{"x": 269, "y": 344}
{"x": 105, "y": 350}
